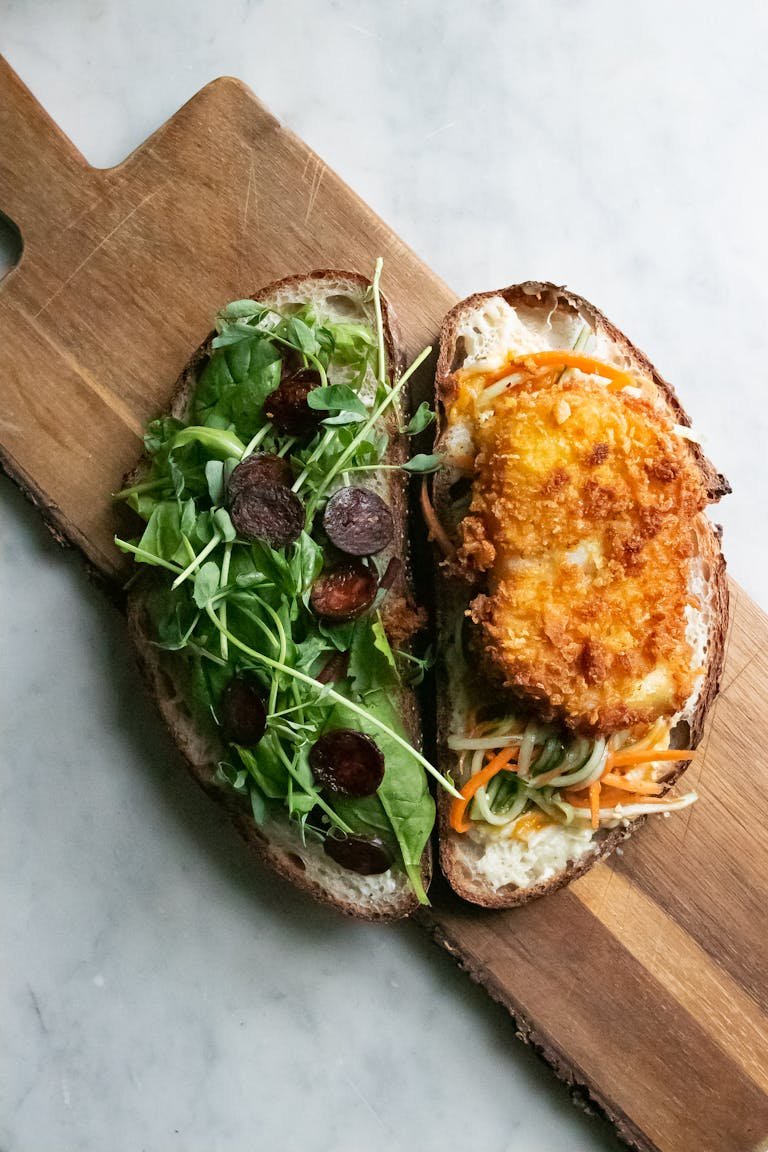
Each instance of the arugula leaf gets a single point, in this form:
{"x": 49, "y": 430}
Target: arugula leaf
{"x": 340, "y": 635}
{"x": 240, "y": 310}
{"x": 273, "y": 565}
{"x": 353, "y": 343}
{"x": 236, "y": 778}
{"x": 381, "y": 643}
{"x": 258, "y": 806}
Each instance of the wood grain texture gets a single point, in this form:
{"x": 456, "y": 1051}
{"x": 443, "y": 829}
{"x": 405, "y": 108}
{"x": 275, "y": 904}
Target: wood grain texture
{"x": 644, "y": 984}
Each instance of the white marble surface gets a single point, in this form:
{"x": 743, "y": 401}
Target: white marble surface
{"x": 159, "y": 992}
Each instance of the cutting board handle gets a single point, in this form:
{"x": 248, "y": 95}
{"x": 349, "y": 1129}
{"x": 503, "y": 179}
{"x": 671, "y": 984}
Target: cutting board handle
{"x": 35, "y": 155}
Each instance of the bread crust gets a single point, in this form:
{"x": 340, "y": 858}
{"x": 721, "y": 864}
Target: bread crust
{"x": 199, "y": 742}
{"x": 452, "y": 590}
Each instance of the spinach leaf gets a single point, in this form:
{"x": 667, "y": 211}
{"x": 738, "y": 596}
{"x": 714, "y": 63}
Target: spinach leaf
{"x": 162, "y": 535}
{"x": 371, "y": 663}
{"x": 235, "y": 383}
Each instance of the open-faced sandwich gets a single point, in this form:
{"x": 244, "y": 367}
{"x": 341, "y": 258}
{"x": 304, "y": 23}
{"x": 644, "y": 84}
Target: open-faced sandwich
{"x": 272, "y": 608}
{"x": 582, "y": 597}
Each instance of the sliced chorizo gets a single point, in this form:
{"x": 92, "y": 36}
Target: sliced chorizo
{"x": 242, "y": 712}
{"x": 343, "y": 591}
{"x": 347, "y": 762}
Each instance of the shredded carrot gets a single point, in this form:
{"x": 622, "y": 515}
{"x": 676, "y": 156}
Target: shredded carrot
{"x": 563, "y": 358}
{"x": 609, "y": 798}
{"x": 646, "y": 787}
{"x": 436, "y": 531}
{"x": 499, "y": 762}
{"x": 646, "y": 756}
{"x": 594, "y": 803}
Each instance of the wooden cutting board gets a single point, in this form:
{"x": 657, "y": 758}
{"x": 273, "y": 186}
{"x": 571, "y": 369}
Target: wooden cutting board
{"x": 644, "y": 984}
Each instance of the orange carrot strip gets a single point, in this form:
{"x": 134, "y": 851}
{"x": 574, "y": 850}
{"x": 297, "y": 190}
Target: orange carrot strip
{"x": 557, "y": 358}
{"x": 609, "y": 798}
{"x": 645, "y": 787}
{"x": 647, "y": 756}
{"x": 458, "y": 808}
{"x": 594, "y": 803}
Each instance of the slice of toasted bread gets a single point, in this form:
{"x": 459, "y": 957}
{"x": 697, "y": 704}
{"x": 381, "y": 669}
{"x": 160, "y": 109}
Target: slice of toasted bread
{"x": 555, "y": 316}
{"x": 341, "y": 296}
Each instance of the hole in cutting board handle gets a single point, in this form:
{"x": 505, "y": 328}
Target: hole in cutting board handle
{"x": 11, "y": 246}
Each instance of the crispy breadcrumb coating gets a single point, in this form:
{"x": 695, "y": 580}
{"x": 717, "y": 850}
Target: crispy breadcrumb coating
{"x": 583, "y": 515}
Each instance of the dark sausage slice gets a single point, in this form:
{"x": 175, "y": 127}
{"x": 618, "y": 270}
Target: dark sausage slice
{"x": 347, "y": 762}
{"x": 287, "y": 406}
{"x": 366, "y": 857}
{"x": 242, "y": 712}
{"x": 260, "y": 468}
{"x": 343, "y": 591}
{"x": 358, "y": 521}
{"x": 268, "y": 511}
{"x": 336, "y": 669}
